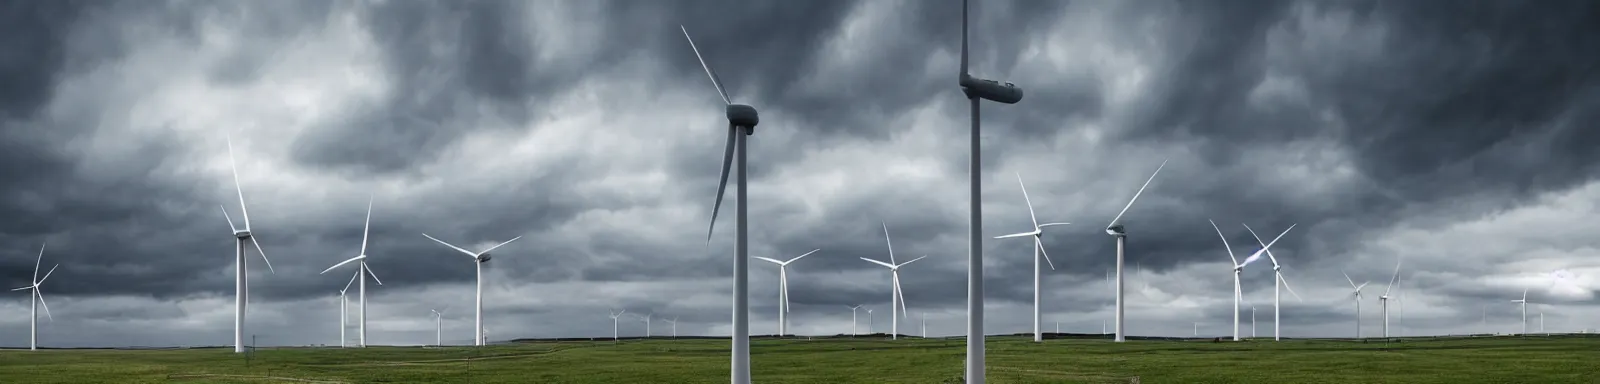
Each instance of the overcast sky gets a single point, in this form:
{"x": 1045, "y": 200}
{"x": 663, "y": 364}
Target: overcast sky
{"x": 1445, "y": 133}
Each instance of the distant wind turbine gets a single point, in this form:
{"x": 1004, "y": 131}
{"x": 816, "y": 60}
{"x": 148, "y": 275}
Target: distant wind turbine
{"x": 853, "y": 320}
{"x": 478, "y": 258}
{"x": 1524, "y": 302}
{"x": 35, "y": 300}
{"x": 1038, "y": 253}
{"x": 362, "y": 271}
{"x": 614, "y": 315}
{"x": 897, "y": 298}
{"x": 1278, "y": 282}
{"x": 783, "y": 289}
{"x": 1357, "y": 296}
{"x": 438, "y": 326}
{"x": 1115, "y": 229}
{"x": 344, "y": 307}
{"x": 1385, "y": 298}
{"x": 241, "y": 236}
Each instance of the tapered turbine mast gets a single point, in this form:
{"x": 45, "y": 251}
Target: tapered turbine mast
{"x": 478, "y": 258}
{"x": 783, "y": 289}
{"x": 1357, "y": 296}
{"x": 241, "y": 236}
{"x": 1277, "y": 273}
{"x": 344, "y": 306}
{"x": 977, "y": 88}
{"x": 853, "y": 320}
{"x": 438, "y": 326}
{"x": 36, "y": 299}
{"x": 674, "y": 322}
{"x": 646, "y": 320}
{"x": 362, "y": 271}
{"x": 896, "y": 297}
{"x": 1116, "y": 229}
{"x": 741, "y": 119}
{"x": 1038, "y": 253}
{"x": 615, "y": 315}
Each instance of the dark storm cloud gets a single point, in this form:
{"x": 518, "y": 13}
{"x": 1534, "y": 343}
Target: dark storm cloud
{"x": 1451, "y": 104}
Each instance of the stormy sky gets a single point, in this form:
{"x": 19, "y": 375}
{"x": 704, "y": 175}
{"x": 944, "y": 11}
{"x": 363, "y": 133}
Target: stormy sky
{"x": 1448, "y": 134}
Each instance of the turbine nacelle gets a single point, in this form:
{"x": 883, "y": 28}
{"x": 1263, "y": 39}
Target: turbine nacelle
{"x": 741, "y": 115}
{"x": 1116, "y": 230}
{"x": 484, "y": 258}
{"x": 991, "y": 90}
{"x": 241, "y": 234}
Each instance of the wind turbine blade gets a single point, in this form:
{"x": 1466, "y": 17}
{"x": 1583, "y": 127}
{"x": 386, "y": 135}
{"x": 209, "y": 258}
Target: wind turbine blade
{"x": 1363, "y": 285}
{"x": 369, "y": 273}
{"x": 1268, "y": 247}
{"x": 342, "y": 263}
{"x": 1027, "y": 200}
{"x": 722, "y": 183}
{"x": 366, "y": 227}
{"x": 1397, "y": 276}
{"x": 235, "y": 167}
{"x": 469, "y": 253}
{"x": 806, "y": 254}
{"x": 1224, "y": 242}
{"x": 1524, "y": 293}
{"x": 499, "y": 245}
{"x": 780, "y": 263}
{"x": 1015, "y": 235}
{"x": 913, "y": 260}
{"x": 262, "y": 253}
{"x": 1040, "y": 244}
{"x": 1264, "y": 245}
{"x": 352, "y": 281}
{"x": 964, "y": 7}
{"x": 19, "y": 289}
{"x": 878, "y": 262}
{"x": 1286, "y": 286}
{"x": 230, "y": 218}
{"x": 1347, "y": 278}
{"x": 888, "y": 241}
{"x": 36, "y": 263}
{"x": 713, "y": 76}
{"x": 53, "y": 270}
{"x": 1052, "y": 224}
{"x": 900, "y": 294}
{"x": 1136, "y": 194}
{"x": 40, "y": 295}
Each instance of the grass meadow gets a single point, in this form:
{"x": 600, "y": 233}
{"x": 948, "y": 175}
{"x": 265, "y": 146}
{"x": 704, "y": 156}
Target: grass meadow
{"x": 1011, "y": 359}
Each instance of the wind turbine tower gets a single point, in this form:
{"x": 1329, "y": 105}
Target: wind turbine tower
{"x": 1279, "y": 282}
{"x": 1115, "y": 229}
{"x": 35, "y": 300}
{"x": 362, "y": 271}
{"x": 1357, "y": 296}
{"x": 241, "y": 236}
{"x": 977, "y": 88}
{"x": 1385, "y": 298}
{"x": 896, "y": 297}
{"x": 783, "y": 289}
{"x": 1038, "y": 253}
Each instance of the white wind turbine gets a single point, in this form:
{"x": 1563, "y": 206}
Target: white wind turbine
{"x": 742, "y": 120}
{"x": 362, "y": 271}
{"x": 1252, "y": 321}
{"x": 783, "y": 289}
{"x": 1385, "y": 298}
{"x": 1357, "y": 297}
{"x": 344, "y": 306}
{"x": 1278, "y": 282}
{"x": 478, "y": 259}
{"x": 977, "y": 88}
{"x": 241, "y": 268}
{"x": 1238, "y": 267}
{"x": 1038, "y": 253}
{"x": 674, "y": 322}
{"x": 1116, "y": 229}
{"x": 1524, "y": 302}
{"x": 870, "y": 321}
{"x": 853, "y": 320}
{"x": 925, "y": 323}
{"x": 35, "y": 300}
{"x": 438, "y": 326}
{"x": 896, "y": 298}
{"x": 646, "y": 320}
{"x": 614, "y": 316}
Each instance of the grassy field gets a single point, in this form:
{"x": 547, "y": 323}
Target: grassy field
{"x": 1555, "y": 359}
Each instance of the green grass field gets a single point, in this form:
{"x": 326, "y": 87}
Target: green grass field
{"x": 1556, "y": 359}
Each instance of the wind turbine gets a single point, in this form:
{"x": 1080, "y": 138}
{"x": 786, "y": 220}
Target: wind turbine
{"x": 674, "y": 322}
{"x": 1116, "y": 229}
{"x": 1524, "y": 302}
{"x": 362, "y": 271}
{"x": 1238, "y": 267}
{"x": 1385, "y": 298}
{"x": 478, "y": 259}
{"x": 241, "y": 268}
{"x": 870, "y": 321}
{"x": 1038, "y": 251}
{"x": 925, "y": 323}
{"x": 36, "y": 299}
{"x": 1357, "y": 296}
{"x": 742, "y": 120}
{"x": 853, "y": 320}
{"x": 646, "y": 320}
{"x": 344, "y": 305}
{"x": 614, "y": 316}
{"x": 783, "y": 289}
{"x": 896, "y": 298}
{"x": 1277, "y": 274}
{"x": 438, "y": 326}
{"x": 1252, "y": 321}
{"x": 977, "y": 88}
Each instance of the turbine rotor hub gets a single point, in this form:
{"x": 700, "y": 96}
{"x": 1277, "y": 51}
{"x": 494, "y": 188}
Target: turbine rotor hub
{"x": 1116, "y": 230}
